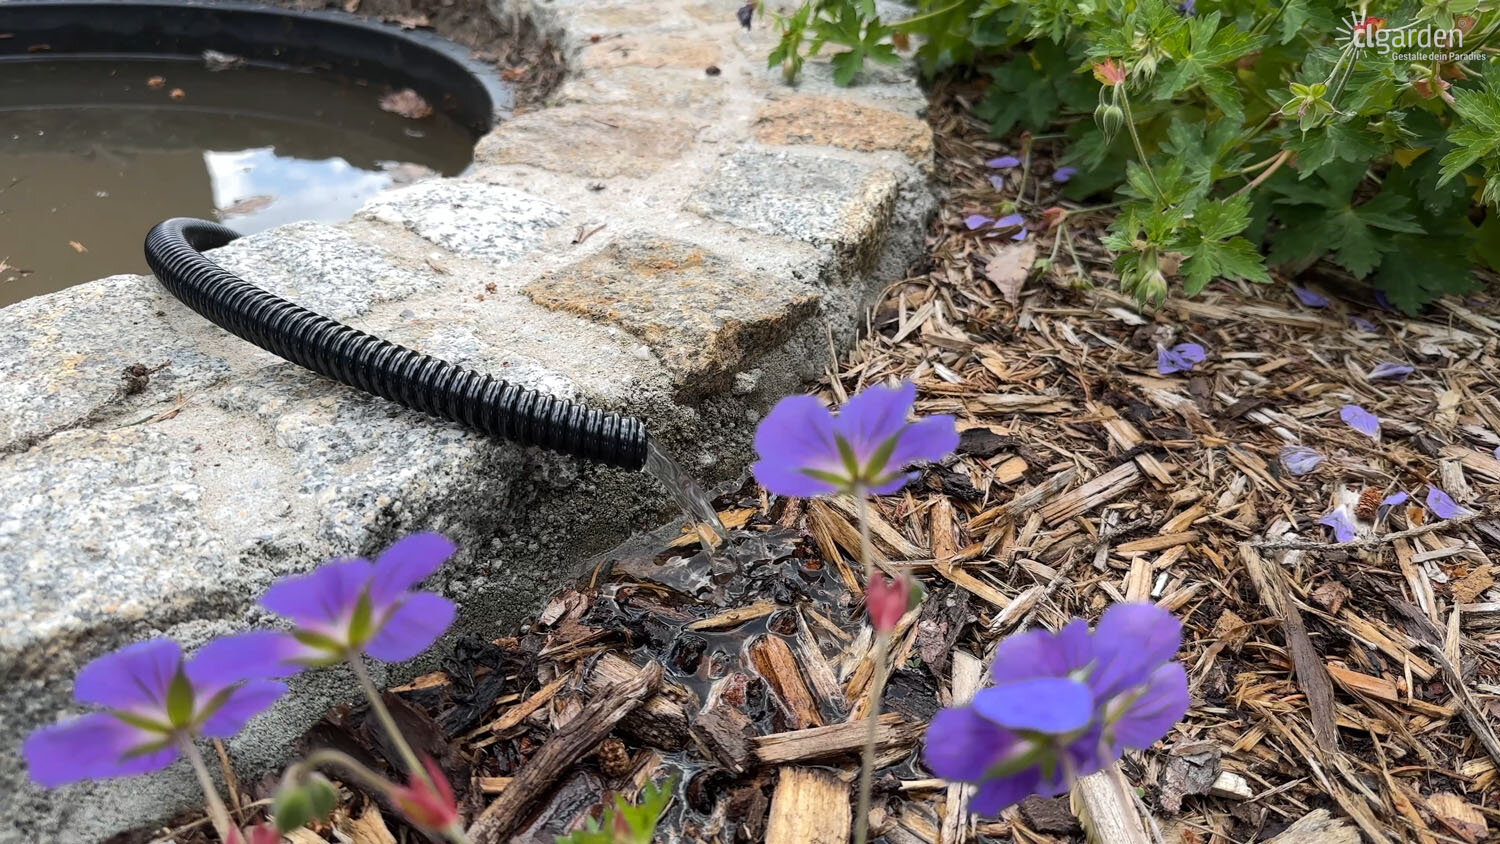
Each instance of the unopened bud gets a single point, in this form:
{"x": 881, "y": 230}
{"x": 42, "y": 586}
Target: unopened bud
{"x": 299, "y": 803}
{"x": 1109, "y": 118}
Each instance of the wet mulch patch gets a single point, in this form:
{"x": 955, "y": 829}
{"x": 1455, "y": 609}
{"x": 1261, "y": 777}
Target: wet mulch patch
{"x": 1341, "y": 691}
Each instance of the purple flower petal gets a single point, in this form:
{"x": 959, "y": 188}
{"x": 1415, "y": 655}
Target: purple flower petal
{"x": 1395, "y": 499}
{"x": 975, "y": 221}
{"x": 1393, "y": 371}
{"x": 1151, "y": 716}
{"x": 1004, "y": 162}
{"x": 997, "y": 181}
{"x": 1364, "y": 325}
{"x": 1040, "y": 653}
{"x": 412, "y": 628}
{"x": 796, "y": 434}
{"x": 1442, "y": 505}
{"x": 1131, "y": 641}
{"x": 1021, "y": 235}
{"x": 1311, "y": 298}
{"x": 1010, "y": 220}
{"x": 1382, "y": 300}
{"x": 962, "y": 746}
{"x": 1361, "y": 420}
{"x": 240, "y": 706}
{"x": 999, "y": 793}
{"x": 1299, "y": 460}
{"x": 929, "y": 439}
{"x": 1063, "y": 174}
{"x": 323, "y": 597}
{"x": 1342, "y": 524}
{"x": 133, "y": 677}
{"x": 871, "y": 417}
{"x": 1497, "y": 452}
{"x": 1041, "y": 704}
{"x": 893, "y": 483}
{"x": 1180, "y": 358}
{"x": 408, "y": 563}
{"x": 91, "y": 747}
{"x": 256, "y": 655}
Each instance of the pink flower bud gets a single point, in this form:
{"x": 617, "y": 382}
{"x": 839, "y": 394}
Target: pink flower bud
{"x": 428, "y": 805}
{"x": 887, "y": 600}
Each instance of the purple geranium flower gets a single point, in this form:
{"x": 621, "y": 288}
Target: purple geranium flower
{"x": 1188, "y": 7}
{"x": 1341, "y": 523}
{"x": 977, "y": 221}
{"x": 1310, "y": 297}
{"x": 1391, "y": 371}
{"x": 1299, "y": 459}
{"x": 1063, "y": 174}
{"x": 1064, "y": 705}
{"x": 1004, "y": 162}
{"x": 1361, "y": 420}
{"x": 805, "y": 450}
{"x": 1180, "y": 358}
{"x": 153, "y": 701}
{"x": 345, "y": 607}
{"x": 1364, "y": 325}
{"x": 1443, "y": 506}
{"x": 1021, "y": 235}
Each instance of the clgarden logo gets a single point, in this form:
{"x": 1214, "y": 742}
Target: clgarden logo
{"x": 1415, "y": 42}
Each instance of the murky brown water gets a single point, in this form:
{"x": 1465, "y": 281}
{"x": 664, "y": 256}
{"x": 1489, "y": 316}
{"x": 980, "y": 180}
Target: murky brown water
{"x": 93, "y": 153}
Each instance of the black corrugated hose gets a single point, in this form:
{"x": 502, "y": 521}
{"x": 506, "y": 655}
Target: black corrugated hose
{"x": 421, "y": 382}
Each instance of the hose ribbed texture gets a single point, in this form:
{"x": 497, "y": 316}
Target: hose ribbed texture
{"x": 379, "y": 367}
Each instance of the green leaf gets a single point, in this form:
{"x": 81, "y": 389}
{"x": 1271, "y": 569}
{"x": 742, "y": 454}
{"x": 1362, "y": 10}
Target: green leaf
{"x": 1417, "y": 270}
{"x": 1340, "y": 140}
{"x": 1197, "y": 51}
{"x": 626, "y": 823}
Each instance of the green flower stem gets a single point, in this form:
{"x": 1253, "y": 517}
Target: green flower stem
{"x": 329, "y": 758}
{"x": 1140, "y": 150}
{"x": 408, "y": 758}
{"x": 905, "y": 22}
{"x": 217, "y": 813}
{"x": 872, "y": 719}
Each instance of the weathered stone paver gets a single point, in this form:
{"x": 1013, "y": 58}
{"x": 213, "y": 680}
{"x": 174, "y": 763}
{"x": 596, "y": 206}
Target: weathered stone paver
{"x": 590, "y": 141}
{"x": 803, "y": 194}
{"x": 662, "y": 240}
{"x": 702, "y": 316}
{"x": 469, "y": 218}
{"x": 835, "y": 122}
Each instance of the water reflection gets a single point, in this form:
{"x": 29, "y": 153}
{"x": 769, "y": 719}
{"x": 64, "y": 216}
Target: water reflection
{"x": 93, "y": 153}
{"x": 256, "y": 189}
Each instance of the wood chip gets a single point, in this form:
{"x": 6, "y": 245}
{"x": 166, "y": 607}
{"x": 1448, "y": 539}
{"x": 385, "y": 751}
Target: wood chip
{"x": 809, "y": 806}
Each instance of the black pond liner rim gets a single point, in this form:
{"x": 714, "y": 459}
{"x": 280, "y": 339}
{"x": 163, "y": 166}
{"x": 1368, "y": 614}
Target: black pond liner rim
{"x": 442, "y": 71}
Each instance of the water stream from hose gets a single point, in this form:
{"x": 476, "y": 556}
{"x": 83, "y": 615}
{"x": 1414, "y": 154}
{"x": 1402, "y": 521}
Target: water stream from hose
{"x": 691, "y": 497}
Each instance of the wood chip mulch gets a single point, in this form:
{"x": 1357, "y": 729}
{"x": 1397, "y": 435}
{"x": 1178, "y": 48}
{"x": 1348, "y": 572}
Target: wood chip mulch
{"x": 1341, "y": 692}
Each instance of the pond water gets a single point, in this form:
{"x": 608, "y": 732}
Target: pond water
{"x": 93, "y": 152}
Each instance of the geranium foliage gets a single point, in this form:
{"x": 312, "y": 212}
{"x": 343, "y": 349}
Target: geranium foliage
{"x": 1256, "y": 133}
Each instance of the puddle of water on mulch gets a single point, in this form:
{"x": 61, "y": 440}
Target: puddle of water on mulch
{"x": 94, "y": 152}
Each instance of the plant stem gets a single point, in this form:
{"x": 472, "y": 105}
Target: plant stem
{"x": 905, "y": 22}
{"x": 1266, "y": 173}
{"x": 1140, "y": 150}
{"x": 872, "y": 720}
{"x": 867, "y": 769}
{"x": 414, "y": 767}
{"x": 327, "y": 757}
{"x": 866, "y": 547}
{"x": 216, "y": 811}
